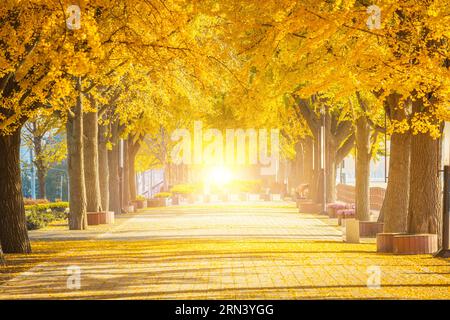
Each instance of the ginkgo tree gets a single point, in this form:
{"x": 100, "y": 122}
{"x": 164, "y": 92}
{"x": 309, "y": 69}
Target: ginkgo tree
{"x": 332, "y": 44}
{"x": 408, "y": 57}
{"x": 44, "y": 135}
{"x": 46, "y": 65}
{"x": 29, "y": 49}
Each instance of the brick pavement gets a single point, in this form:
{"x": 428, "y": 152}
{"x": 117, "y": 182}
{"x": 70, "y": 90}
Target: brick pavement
{"x": 252, "y": 251}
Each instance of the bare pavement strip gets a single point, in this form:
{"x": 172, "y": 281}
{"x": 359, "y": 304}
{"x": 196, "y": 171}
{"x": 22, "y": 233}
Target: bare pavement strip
{"x": 222, "y": 251}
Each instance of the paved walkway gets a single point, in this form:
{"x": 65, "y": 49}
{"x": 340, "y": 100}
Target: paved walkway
{"x": 240, "y": 251}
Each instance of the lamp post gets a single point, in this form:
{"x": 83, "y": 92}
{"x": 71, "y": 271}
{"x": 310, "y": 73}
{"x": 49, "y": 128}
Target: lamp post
{"x": 33, "y": 176}
{"x": 63, "y": 172}
{"x": 61, "y": 188}
{"x": 121, "y": 180}
{"x": 323, "y": 165}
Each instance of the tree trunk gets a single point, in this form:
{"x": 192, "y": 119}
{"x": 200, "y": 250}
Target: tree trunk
{"x": 132, "y": 177}
{"x": 308, "y": 160}
{"x": 74, "y": 126}
{"x": 2, "y": 258}
{"x": 296, "y": 176}
{"x": 133, "y": 148}
{"x": 395, "y": 205}
{"x": 13, "y": 228}
{"x": 339, "y": 140}
{"x": 316, "y": 187}
{"x": 40, "y": 167}
{"x": 424, "y": 210}
{"x": 330, "y": 168}
{"x": 125, "y": 175}
{"x": 362, "y": 169}
{"x": 113, "y": 166}
{"x": 41, "y": 174}
{"x": 91, "y": 175}
{"x": 170, "y": 171}
{"x": 103, "y": 168}
{"x": 331, "y": 183}
{"x": 166, "y": 177}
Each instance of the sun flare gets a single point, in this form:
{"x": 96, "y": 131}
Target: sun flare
{"x": 219, "y": 175}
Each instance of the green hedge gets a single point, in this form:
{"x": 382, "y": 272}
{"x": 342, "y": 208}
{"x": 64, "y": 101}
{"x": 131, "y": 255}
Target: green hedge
{"x": 185, "y": 189}
{"x": 163, "y": 195}
{"x": 40, "y": 215}
{"x": 250, "y": 186}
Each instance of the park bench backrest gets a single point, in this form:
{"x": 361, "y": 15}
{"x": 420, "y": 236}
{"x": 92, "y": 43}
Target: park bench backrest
{"x": 346, "y": 193}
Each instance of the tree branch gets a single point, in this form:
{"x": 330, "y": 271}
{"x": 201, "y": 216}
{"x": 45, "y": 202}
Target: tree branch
{"x": 310, "y": 117}
{"x": 345, "y": 148}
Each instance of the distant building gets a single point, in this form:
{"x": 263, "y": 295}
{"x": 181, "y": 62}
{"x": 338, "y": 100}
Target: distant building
{"x": 378, "y": 171}
{"x": 150, "y": 182}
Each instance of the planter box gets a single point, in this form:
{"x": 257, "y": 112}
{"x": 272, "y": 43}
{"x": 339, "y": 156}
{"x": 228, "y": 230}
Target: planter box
{"x": 109, "y": 217}
{"x": 164, "y": 202}
{"x": 385, "y": 242}
{"x": 176, "y": 200}
{"x": 182, "y": 200}
{"x": 265, "y": 197}
{"x": 369, "y": 229}
{"x": 93, "y": 218}
{"x": 298, "y": 201}
{"x": 415, "y": 244}
{"x": 309, "y": 207}
{"x": 129, "y": 209}
{"x": 102, "y": 217}
{"x": 275, "y": 197}
{"x": 254, "y": 197}
{"x": 139, "y": 204}
{"x": 157, "y": 202}
{"x": 151, "y": 203}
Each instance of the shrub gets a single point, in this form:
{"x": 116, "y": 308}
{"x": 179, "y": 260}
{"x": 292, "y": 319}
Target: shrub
{"x": 140, "y": 198}
{"x": 40, "y": 215}
{"x": 29, "y": 202}
{"x": 185, "y": 189}
{"x": 163, "y": 195}
{"x": 250, "y": 186}
{"x": 37, "y": 220}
